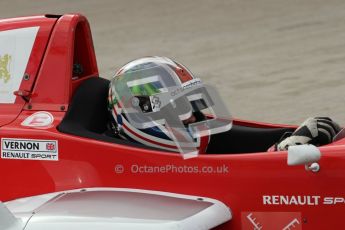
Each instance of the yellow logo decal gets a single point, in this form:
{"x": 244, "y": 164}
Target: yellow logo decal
{"x": 5, "y": 62}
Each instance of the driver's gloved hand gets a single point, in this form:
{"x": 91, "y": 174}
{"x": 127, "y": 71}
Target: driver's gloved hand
{"x": 317, "y": 131}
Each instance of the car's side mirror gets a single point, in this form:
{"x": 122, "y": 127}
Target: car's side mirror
{"x": 306, "y": 155}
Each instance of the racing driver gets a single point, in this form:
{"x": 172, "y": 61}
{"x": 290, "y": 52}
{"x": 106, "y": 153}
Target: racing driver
{"x": 145, "y": 83}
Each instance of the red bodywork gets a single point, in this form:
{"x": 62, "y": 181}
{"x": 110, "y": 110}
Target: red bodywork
{"x": 90, "y": 163}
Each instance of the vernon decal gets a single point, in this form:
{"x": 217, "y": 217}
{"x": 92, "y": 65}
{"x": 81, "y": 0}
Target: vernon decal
{"x": 29, "y": 149}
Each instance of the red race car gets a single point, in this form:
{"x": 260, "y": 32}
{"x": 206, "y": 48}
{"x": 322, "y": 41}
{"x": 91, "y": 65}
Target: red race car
{"x": 59, "y": 170}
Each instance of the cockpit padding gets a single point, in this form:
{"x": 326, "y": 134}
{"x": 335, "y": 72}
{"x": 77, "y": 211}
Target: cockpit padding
{"x": 88, "y": 117}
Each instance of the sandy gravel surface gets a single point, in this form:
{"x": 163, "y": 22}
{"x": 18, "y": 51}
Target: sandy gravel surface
{"x": 272, "y": 60}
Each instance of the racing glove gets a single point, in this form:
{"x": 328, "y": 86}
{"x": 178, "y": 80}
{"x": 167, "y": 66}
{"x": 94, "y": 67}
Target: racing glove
{"x": 317, "y": 131}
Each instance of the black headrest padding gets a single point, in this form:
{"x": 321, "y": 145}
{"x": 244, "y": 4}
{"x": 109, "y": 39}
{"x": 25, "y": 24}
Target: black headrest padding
{"x": 88, "y": 114}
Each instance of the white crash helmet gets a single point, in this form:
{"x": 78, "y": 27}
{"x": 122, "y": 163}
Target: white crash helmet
{"x": 147, "y": 78}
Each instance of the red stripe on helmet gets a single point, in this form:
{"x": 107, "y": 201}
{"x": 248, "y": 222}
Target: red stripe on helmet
{"x": 183, "y": 74}
{"x": 146, "y": 139}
